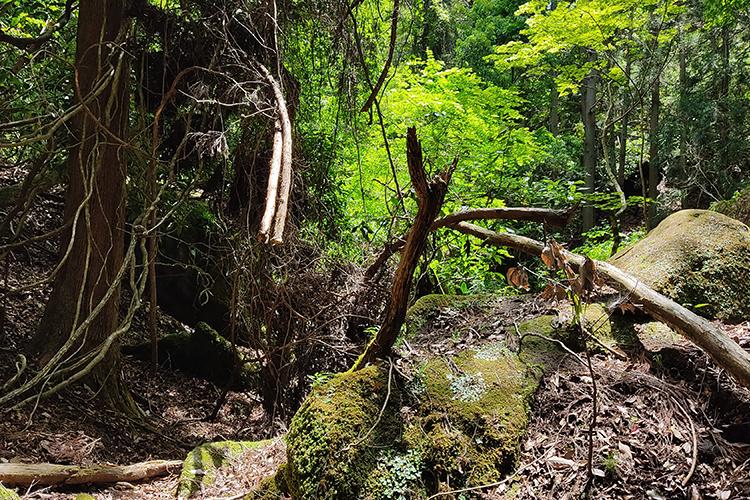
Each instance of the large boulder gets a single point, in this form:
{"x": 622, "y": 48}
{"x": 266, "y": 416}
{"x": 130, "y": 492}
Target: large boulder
{"x": 698, "y": 258}
{"x": 451, "y": 413}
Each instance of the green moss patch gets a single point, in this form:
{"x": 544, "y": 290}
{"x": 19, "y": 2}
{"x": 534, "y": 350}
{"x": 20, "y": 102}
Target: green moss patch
{"x": 202, "y": 353}
{"x": 698, "y": 258}
{"x": 334, "y": 443}
{"x": 203, "y": 462}
{"x": 429, "y": 306}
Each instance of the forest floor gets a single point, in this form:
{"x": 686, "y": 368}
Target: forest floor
{"x": 669, "y": 423}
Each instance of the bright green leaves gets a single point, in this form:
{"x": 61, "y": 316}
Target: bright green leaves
{"x": 28, "y": 19}
{"x": 607, "y": 28}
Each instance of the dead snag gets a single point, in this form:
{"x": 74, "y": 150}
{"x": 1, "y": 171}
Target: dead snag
{"x": 280, "y": 175}
{"x": 430, "y": 199}
{"x": 722, "y": 349}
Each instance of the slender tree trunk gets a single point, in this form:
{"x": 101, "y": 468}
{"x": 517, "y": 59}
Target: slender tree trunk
{"x": 97, "y": 171}
{"x": 554, "y": 117}
{"x": 683, "y": 102}
{"x": 722, "y": 94}
{"x": 588, "y": 116}
{"x": 626, "y": 103}
{"x": 653, "y": 155}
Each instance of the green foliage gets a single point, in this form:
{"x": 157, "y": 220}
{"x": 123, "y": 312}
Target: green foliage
{"x": 395, "y": 477}
{"x": 598, "y": 242}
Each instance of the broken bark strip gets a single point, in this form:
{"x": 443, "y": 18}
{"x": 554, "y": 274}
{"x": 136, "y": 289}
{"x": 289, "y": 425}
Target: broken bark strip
{"x": 430, "y": 199}
{"x": 272, "y": 192}
{"x": 723, "y": 350}
{"x": 558, "y": 218}
{"x": 51, "y": 474}
{"x": 280, "y": 176}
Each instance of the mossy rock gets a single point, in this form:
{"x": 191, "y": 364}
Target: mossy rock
{"x": 203, "y": 462}
{"x": 333, "y": 441}
{"x": 698, "y": 258}
{"x": 271, "y": 488}
{"x": 454, "y": 420}
{"x": 474, "y": 415}
{"x": 202, "y": 353}
{"x": 6, "y": 494}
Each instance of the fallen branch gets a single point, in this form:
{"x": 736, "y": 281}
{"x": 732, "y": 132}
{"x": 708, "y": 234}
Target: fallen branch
{"x": 722, "y": 349}
{"x": 54, "y": 474}
{"x": 558, "y": 218}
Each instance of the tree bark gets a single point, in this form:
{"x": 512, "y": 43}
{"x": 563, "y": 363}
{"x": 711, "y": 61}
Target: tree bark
{"x": 51, "y": 474}
{"x": 723, "y": 350}
{"x": 653, "y": 155}
{"x": 93, "y": 246}
{"x": 588, "y": 115}
{"x": 430, "y": 199}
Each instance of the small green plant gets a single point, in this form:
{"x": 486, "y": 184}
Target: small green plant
{"x": 611, "y": 461}
{"x": 468, "y": 387}
{"x": 395, "y": 476}
{"x": 320, "y": 378}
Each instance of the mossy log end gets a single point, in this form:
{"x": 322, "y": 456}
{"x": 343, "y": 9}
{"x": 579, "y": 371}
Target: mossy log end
{"x": 13, "y": 474}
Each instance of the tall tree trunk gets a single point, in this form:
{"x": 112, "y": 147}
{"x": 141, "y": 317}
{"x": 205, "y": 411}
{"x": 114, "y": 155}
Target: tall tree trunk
{"x": 626, "y": 104}
{"x": 683, "y": 102}
{"x": 653, "y": 155}
{"x": 94, "y": 244}
{"x": 588, "y": 116}
{"x": 722, "y": 95}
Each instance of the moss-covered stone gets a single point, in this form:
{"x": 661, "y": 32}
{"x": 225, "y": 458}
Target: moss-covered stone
{"x": 271, "y": 488}
{"x": 333, "y": 441}
{"x": 698, "y": 258}
{"x": 202, "y": 463}
{"x": 6, "y": 494}
{"x": 474, "y": 415}
{"x": 202, "y": 353}
{"x": 451, "y": 421}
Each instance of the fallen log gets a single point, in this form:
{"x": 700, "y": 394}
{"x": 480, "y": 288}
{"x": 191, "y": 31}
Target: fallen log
{"x": 722, "y": 349}
{"x": 19, "y": 474}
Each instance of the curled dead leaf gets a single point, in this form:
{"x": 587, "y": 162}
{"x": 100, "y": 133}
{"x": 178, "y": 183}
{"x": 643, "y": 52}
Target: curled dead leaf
{"x": 518, "y": 277}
